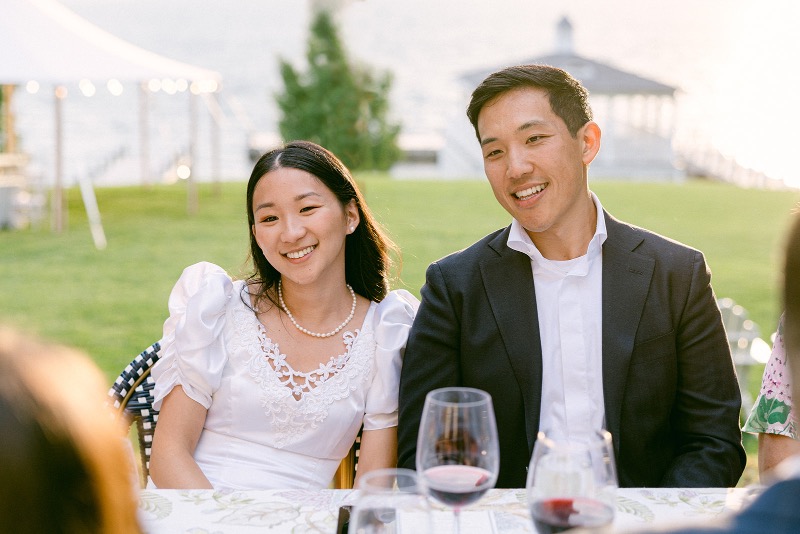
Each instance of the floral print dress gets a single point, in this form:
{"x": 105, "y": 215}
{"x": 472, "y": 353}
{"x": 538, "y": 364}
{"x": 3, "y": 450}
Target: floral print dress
{"x": 772, "y": 411}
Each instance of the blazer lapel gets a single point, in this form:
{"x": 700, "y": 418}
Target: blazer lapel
{"x": 508, "y": 282}
{"x": 626, "y": 279}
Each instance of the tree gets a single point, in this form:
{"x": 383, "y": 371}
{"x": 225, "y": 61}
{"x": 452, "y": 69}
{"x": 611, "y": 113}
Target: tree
{"x": 342, "y": 107}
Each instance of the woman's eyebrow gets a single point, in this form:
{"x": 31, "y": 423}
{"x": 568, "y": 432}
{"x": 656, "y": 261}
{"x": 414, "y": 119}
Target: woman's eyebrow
{"x": 301, "y": 196}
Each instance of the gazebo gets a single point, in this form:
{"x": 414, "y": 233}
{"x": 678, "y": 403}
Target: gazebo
{"x": 636, "y": 116}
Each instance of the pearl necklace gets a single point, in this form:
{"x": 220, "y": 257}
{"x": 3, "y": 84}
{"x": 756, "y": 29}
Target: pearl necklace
{"x": 309, "y": 332}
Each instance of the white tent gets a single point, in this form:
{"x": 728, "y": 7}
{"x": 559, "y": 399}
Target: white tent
{"x": 46, "y": 42}
{"x": 43, "y": 41}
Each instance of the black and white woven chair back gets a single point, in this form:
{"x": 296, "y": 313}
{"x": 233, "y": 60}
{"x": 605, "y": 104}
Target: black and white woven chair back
{"x": 132, "y": 397}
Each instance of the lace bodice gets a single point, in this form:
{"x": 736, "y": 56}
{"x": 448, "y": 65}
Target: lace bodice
{"x": 299, "y": 382}
{"x": 268, "y": 426}
{"x": 296, "y": 402}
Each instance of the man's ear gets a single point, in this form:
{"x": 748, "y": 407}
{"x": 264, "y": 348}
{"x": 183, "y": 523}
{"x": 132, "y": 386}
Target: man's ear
{"x": 589, "y": 135}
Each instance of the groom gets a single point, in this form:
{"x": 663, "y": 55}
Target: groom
{"x": 572, "y": 320}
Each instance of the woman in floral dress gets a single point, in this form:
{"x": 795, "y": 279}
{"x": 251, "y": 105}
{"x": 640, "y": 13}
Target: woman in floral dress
{"x": 772, "y": 417}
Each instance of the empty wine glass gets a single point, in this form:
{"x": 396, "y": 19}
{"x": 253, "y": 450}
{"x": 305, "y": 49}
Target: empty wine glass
{"x": 572, "y": 483}
{"x": 390, "y": 501}
{"x": 457, "y": 450}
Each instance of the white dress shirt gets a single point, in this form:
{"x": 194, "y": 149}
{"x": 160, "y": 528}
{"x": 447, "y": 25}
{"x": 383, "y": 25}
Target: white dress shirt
{"x": 569, "y": 303}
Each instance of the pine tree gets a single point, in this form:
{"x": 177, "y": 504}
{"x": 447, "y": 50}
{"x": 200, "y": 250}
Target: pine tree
{"x": 342, "y": 107}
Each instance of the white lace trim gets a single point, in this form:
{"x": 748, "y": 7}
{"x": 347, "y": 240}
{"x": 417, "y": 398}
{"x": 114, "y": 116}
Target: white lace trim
{"x": 299, "y": 382}
{"x": 290, "y": 417}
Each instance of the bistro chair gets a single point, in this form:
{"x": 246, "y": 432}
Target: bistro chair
{"x": 345, "y": 475}
{"x": 132, "y": 398}
{"x": 742, "y": 334}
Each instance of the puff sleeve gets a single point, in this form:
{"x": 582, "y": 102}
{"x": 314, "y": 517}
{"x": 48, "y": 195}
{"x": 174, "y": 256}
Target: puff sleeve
{"x": 392, "y": 322}
{"x": 193, "y": 354}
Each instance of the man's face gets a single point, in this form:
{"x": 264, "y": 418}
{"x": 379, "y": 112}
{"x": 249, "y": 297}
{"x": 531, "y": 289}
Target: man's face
{"x": 537, "y": 170}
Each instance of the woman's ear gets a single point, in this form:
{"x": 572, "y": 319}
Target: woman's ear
{"x": 352, "y": 216}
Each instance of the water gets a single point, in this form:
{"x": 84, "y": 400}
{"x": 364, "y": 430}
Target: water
{"x": 732, "y": 60}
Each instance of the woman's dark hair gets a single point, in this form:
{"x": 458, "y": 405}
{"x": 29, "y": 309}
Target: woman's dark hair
{"x": 568, "y": 98}
{"x": 366, "y": 249}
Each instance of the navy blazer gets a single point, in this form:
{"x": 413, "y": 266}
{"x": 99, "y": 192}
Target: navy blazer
{"x": 671, "y": 397}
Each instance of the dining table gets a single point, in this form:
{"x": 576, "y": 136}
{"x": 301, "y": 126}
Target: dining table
{"x": 500, "y": 511}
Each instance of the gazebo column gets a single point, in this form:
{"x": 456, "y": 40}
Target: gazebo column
{"x": 609, "y": 139}
{"x": 653, "y": 110}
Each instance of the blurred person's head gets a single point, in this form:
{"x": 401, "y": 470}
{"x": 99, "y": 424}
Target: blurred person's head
{"x": 63, "y": 464}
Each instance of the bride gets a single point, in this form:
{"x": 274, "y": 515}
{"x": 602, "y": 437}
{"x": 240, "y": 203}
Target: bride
{"x": 265, "y": 382}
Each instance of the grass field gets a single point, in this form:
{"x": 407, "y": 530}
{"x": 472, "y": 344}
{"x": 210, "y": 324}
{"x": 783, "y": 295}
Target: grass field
{"x": 112, "y": 303}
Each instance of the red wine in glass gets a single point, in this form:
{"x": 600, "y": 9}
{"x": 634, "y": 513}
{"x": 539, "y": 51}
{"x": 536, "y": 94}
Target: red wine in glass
{"x": 457, "y": 485}
{"x": 560, "y": 515}
{"x": 457, "y": 448}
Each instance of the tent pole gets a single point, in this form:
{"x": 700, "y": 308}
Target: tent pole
{"x": 144, "y": 134}
{"x": 8, "y": 120}
{"x": 191, "y": 192}
{"x": 216, "y": 116}
{"x": 58, "y": 189}
{"x": 215, "y": 147}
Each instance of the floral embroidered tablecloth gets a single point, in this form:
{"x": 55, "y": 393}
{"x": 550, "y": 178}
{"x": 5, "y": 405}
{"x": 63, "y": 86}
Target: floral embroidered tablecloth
{"x": 296, "y": 512}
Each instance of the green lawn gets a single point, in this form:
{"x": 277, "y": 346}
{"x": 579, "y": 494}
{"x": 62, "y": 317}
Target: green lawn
{"x": 112, "y": 303}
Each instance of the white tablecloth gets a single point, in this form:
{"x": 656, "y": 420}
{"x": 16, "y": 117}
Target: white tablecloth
{"x": 210, "y": 512}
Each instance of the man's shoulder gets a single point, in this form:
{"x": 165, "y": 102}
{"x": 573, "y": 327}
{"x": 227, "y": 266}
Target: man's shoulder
{"x": 642, "y": 240}
{"x": 486, "y": 247}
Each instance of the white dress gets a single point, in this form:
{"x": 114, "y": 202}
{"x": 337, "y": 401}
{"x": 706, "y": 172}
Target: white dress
{"x": 257, "y": 435}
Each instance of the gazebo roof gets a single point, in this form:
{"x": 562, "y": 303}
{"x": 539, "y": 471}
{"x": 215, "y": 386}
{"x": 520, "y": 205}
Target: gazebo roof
{"x": 598, "y": 78}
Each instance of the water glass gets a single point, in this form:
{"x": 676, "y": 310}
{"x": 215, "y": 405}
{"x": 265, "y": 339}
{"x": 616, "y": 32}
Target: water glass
{"x": 390, "y": 501}
{"x": 572, "y": 483}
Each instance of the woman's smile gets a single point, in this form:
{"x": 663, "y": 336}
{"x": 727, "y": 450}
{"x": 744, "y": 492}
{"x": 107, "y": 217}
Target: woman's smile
{"x": 296, "y": 255}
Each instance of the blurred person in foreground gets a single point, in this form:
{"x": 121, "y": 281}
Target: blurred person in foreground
{"x": 571, "y": 319}
{"x": 63, "y": 464}
{"x": 264, "y": 383}
{"x": 777, "y": 509}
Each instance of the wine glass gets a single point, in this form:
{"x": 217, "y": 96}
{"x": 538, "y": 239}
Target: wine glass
{"x": 390, "y": 501}
{"x": 457, "y": 450}
{"x": 572, "y": 483}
